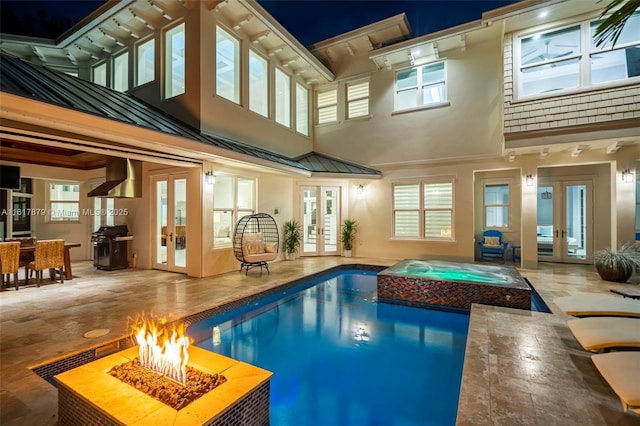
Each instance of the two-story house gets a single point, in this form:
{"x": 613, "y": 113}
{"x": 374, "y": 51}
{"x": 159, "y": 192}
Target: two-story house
{"x": 515, "y": 122}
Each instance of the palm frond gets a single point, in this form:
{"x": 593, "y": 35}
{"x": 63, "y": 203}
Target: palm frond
{"x": 610, "y": 29}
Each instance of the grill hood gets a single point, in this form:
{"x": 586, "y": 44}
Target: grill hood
{"x": 124, "y": 179}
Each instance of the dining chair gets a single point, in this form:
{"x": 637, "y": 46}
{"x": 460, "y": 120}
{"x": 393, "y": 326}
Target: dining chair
{"x": 10, "y": 261}
{"x": 49, "y": 254}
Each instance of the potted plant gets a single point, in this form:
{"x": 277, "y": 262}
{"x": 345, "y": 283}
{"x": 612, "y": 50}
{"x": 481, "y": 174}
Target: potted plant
{"x": 617, "y": 265}
{"x": 348, "y": 235}
{"x": 292, "y": 238}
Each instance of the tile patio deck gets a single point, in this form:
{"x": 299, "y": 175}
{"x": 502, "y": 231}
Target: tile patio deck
{"x": 521, "y": 368}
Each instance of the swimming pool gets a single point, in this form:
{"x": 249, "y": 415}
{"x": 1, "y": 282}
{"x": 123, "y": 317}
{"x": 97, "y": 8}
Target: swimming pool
{"x": 340, "y": 357}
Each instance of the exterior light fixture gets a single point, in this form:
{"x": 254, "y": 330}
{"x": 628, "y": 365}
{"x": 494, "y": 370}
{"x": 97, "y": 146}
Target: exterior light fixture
{"x": 627, "y": 176}
{"x": 529, "y": 180}
{"x": 360, "y": 190}
{"x": 210, "y": 178}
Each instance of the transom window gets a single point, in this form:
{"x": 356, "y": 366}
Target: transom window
{"x": 496, "y": 205}
{"x": 146, "y": 62}
{"x": 233, "y": 197}
{"x": 327, "y": 106}
{"x": 423, "y": 210}
{"x": 227, "y": 66}
{"x": 424, "y": 85}
{"x": 258, "y": 84}
{"x": 64, "y": 202}
{"x": 358, "y": 99}
{"x": 567, "y": 59}
{"x": 175, "y": 61}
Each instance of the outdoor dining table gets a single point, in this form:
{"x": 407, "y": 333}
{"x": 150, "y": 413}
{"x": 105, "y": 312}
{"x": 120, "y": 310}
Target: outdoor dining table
{"x": 68, "y": 275}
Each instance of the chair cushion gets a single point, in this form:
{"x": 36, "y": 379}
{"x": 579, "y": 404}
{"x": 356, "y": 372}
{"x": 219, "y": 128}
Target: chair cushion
{"x": 270, "y": 247}
{"x": 492, "y": 242}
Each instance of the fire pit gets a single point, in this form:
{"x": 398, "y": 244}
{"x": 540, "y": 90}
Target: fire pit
{"x": 89, "y": 394}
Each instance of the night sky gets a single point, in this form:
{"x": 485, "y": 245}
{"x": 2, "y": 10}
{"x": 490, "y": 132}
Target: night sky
{"x": 310, "y": 21}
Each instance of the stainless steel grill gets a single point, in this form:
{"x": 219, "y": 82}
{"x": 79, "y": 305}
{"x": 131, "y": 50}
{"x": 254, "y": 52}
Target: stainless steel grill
{"x": 110, "y": 247}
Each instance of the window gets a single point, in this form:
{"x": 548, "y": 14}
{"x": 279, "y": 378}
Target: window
{"x": 551, "y": 61}
{"x": 358, "y": 99}
{"x": 146, "y": 62}
{"x": 496, "y": 206}
{"x": 327, "y": 105}
{"x": 423, "y": 210}
{"x": 258, "y": 84}
{"x": 64, "y": 202}
{"x": 302, "y": 109}
{"x": 567, "y": 58}
{"x": 174, "y": 62}
{"x": 227, "y": 66}
{"x": 100, "y": 74}
{"x": 283, "y": 98}
{"x": 103, "y": 209}
{"x": 233, "y": 197}
{"x": 619, "y": 63}
{"x": 121, "y": 72}
{"x": 419, "y": 86}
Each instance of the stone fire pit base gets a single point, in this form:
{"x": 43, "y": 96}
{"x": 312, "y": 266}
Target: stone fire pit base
{"x": 89, "y": 395}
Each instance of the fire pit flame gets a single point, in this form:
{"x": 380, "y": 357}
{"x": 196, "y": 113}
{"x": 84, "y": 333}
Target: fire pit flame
{"x": 163, "y": 349}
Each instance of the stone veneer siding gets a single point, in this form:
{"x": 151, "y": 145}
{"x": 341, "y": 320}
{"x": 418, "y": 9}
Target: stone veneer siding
{"x": 593, "y": 106}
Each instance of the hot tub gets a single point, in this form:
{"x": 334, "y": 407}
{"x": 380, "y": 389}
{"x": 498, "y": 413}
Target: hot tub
{"x": 457, "y": 285}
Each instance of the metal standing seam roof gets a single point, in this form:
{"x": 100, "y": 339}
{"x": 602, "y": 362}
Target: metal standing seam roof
{"x": 23, "y": 78}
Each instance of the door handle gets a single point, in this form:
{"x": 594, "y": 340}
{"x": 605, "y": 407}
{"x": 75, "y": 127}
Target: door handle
{"x": 557, "y": 233}
{"x": 171, "y": 236}
{"x": 563, "y": 233}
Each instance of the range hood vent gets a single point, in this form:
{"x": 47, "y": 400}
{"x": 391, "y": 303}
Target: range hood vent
{"x": 124, "y": 179}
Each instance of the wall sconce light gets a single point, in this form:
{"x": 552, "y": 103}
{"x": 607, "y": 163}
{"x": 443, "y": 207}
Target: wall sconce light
{"x": 210, "y": 178}
{"x": 360, "y": 190}
{"x": 529, "y": 180}
{"x": 627, "y": 176}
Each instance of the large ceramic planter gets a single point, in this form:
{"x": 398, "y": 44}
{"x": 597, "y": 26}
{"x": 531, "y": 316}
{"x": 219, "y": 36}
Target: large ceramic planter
{"x": 347, "y": 253}
{"x": 619, "y": 275}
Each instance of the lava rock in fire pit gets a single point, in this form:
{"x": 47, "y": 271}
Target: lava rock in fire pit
{"x": 165, "y": 390}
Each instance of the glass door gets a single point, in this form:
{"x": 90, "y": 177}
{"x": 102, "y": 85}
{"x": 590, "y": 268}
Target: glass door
{"x": 170, "y": 227}
{"x": 564, "y": 222}
{"x": 320, "y": 220}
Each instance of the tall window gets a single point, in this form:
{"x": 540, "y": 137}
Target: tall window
{"x": 283, "y": 98}
{"x": 258, "y": 84}
{"x": 358, "y": 99}
{"x": 174, "y": 61}
{"x": 327, "y": 106}
{"x": 100, "y": 74}
{"x": 233, "y": 197}
{"x": 496, "y": 206}
{"x": 566, "y": 58}
{"x": 64, "y": 202}
{"x": 121, "y": 72}
{"x": 424, "y": 85}
{"x": 103, "y": 209}
{"x": 423, "y": 210}
{"x": 302, "y": 109}
{"x": 146, "y": 62}
{"x": 227, "y": 66}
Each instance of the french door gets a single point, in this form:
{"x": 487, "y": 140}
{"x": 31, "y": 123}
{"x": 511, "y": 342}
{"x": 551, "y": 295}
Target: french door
{"x": 170, "y": 222}
{"x": 320, "y": 220}
{"x": 565, "y": 222}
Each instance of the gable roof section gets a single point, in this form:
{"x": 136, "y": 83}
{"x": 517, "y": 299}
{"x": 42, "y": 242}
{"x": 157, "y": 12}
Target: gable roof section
{"x": 42, "y": 84}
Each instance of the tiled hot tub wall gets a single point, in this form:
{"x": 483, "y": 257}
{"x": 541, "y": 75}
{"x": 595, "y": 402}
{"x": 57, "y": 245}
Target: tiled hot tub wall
{"x": 417, "y": 291}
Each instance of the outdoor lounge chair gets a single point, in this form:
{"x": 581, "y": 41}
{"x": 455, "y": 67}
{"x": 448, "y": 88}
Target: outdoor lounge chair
{"x": 603, "y": 333}
{"x": 492, "y": 246}
{"x": 592, "y": 305}
{"x": 620, "y": 370}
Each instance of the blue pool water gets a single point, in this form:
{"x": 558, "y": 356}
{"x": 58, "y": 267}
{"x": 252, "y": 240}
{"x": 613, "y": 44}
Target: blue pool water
{"x": 341, "y": 358}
